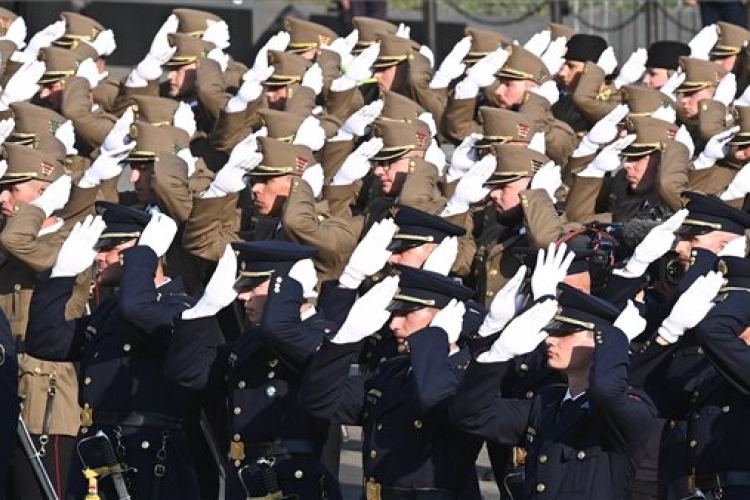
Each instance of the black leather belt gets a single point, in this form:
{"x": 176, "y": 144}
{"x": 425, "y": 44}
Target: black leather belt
{"x": 720, "y": 480}
{"x": 135, "y": 419}
{"x": 282, "y": 448}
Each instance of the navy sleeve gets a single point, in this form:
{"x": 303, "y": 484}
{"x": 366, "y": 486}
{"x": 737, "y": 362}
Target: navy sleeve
{"x": 335, "y": 302}
{"x": 193, "y": 353}
{"x": 435, "y": 379}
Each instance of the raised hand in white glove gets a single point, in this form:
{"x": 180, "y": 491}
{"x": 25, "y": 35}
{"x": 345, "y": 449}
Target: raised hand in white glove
{"x": 370, "y": 255}
{"x": 217, "y": 33}
{"x": 190, "y": 161}
{"x": 250, "y": 90}
{"x": 310, "y": 133}
{"x": 673, "y": 82}
{"x": 42, "y": 39}
{"x": 608, "y": 160}
{"x": 358, "y": 70}
{"x": 221, "y": 58}
{"x": 304, "y": 273}
{"x": 726, "y": 89}
{"x": 430, "y": 121}
{"x": 464, "y": 157}
{"x": 357, "y": 164}
{"x": 739, "y": 186}
{"x": 314, "y": 176}
{"x": 259, "y": 71}
{"x": 603, "y": 132}
{"x": 219, "y": 292}
{"x": 343, "y": 46}
{"x": 703, "y": 42}
{"x": 16, "y": 33}
{"x": 482, "y": 74}
{"x": 104, "y": 44}
{"x": 551, "y": 268}
{"x": 356, "y": 125}
{"x": 633, "y": 69}
{"x": 692, "y": 306}
{"x": 158, "y": 233}
{"x": 549, "y": 178}
{"x": 231, "y": 178}
{"x": 77, "y": 252}
{"x": 184, "y": 118}
{"x": 554, "y": 57}
{"x": 630, "y": 322}
{"x": 6, "y": 128}
{"x": 23, "y": 85}
{"x": 666, "y": 113}
{"x": 470, "y": 189}
{"x": 436, "y": 157}
{"x": 108, "y": 165}
{"x": 716, "y": 149}
{"x": 55, "y": 196}
{"x": 607, "y": 61}
{"x": 66, "y": 134}
{"x": 683, "y": 136}
{"x": 505, "y": 306}
{"x": 538, "y": 42}
{"x": 369, "y": 313}
{"x": 150, "y": 68}
{"x": 657, "y": 242}
{"x": 548, "y": 90}
{"x": 118, "y": 136}
{"x": 403, "y": 31}
{"x": 450, "y": 319}
{"x": 452, "y": 66}
{"x": 90, "y": 71}
{"x": 313, "y": 78}
{"x": 538, "y": 143}
{"x": 522, "y": 335}
{"x": 443, "y": 256}
{"x": 427, "y": 53}
{"x": 735, "y": 248}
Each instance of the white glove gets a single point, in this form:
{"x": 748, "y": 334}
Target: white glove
{"x": 551, "y": 269}
{"x": 435, "y": 156}
{"x": 250, "y": 89}
{"x": 66, "y": 134}
{"x": 190, "y": 161}
{"x": 217, "y": 33}
{"x": 665, "y": 113}
{"x": 219, "y": 292}
{"x": 118, "y": 136}
{"x": 464, "y": 157}
{"x": 358, "y": 70}
{"x": 77, "y": 252}
{"x": 548, "y": 90}
{"x": 303, "y": 272}
{"x": 314, "y": 176}
{"x": 3, "y": 167}
{"x": 107, "y": 166}
{"x": 657, "y": 242}
{"x": 6, "y": 128}
{"x": 633, "y": 69}
{"x": 482, "y": 74}
{"x": 220, "y": 57}
{"x": 554, "y": 56}
{"x": 343, "y": 46}
{"x": 549, "y": 178}
{"x": 726, "y": 89}
{"x": 630, "y": 322}
{"x": 104, "y": 44}
{"x": 430, "y": 121}
{"x": 427, "y": 53}
{"x": 603, "y": 132}
{"x": 452, "y": 66}
{"x": 87, "y": 69}
{"x": 739, "y": 186}
{"x": 184, "y": 118}
{"x": 313, "y": 78}
{"x": 470, "y": 189}
{"x": 159, "y": 53}
{"x": 691, "y": 307}
{"x": 716, "y": 149}
{"x": 538, "y": 42}
{"x": 683, "y": 136}
{"x": 607, "y": 61}
{"x": 357, "y": 164}
{"x": 369, "y": 313}
{"x": 277, "y": 42}
{"x": 450, "y": 319}
{"x": 356, "y": 125}
{"x": 744, "y": 99}
{"x": 16, "y": 33}
{"x": 42, "y": 39}
{"x": 522, "y": 335}
{"x": 23, "y": 85}
{"x": 735, "y": 248}
{"x": 505, "y": 306}
{"x": 158, "y": 233}
{"x": 311, "y": 134}
{"x": 538, "y": 144}
{"x": 443, "y": 256}
{"x": 672, "y": 83}
{"x": 370, "y": 255}
{"x": 403, "y": 31}
{"x": 608, "y": 160}
{"x": 231, "y": 178}
{"x": 55, "y": 196}
{"x": 703, "y": 42}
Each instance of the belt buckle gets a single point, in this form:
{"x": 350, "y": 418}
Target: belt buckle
{"x": 237, "y": 450}
{"x": 373, "y": 490}
{"x": 87, "y": 416}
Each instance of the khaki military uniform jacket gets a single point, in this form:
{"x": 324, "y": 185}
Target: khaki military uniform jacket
{"x": 715, "y": 180}
{"x": 592, "y": 97}
{"x": 559, "y": 138}
{"x": 105, "y": 95}
{"x": 91, "y": 127}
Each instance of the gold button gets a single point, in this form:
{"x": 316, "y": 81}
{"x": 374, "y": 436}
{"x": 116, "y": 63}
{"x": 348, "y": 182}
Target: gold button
{"x": 271, "y": 374}
{"x": 373, "y": 453}
{"x": 273, "y": 362}
{"x": 236, "y": 437}
{"x": 490, "y": 294}
{"x": 37, "y": 370}
{"x": 493, "y": 272}
{"x": 542, "y": 459}
{"x": 418, "y": 424}
{"x": 145, "y": 445}
{"x": 540, "y": 487}
{"x": 581, "y": 455}
{"x": 298, "y": 474}
{"x": 87, "y": 381}
{"x": 693, "y": 443}
{"x": 241, "y": 384}
{"x": 126, "y": 348}
{"x": 237, "y": 410}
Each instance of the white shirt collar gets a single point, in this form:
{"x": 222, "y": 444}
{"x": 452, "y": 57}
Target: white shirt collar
{"x": 569, "y": 396}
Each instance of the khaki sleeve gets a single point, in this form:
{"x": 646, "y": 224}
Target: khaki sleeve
{"x": 213, "y": 223}
{"x": 333, "y": 155}
{"x": 105, "y": 94}
{"x": 90, "y": 126}
{"x": 420, "y": 189}
{"x": 541, "y": 218}
{"x": 342, "y": 104}
{"x": 20, "y": 238}
{"x": 125, "y": 93}
{"x": 459, "y": 119}
{"x": 170, "y": 185}
{"x": 300, "y": 100}
{"x": 712, "y": 118}
{"x": 581, "y": 203}
{"x": 231, "y": 128}
{"x": 673, "y": 173}
{"x": 341, "y": 198}
{"x": 591, "y": 101}
{"x": 420, "y": 75}
{"x": 574, "y": 166}
{"x": 209, "y": 87}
